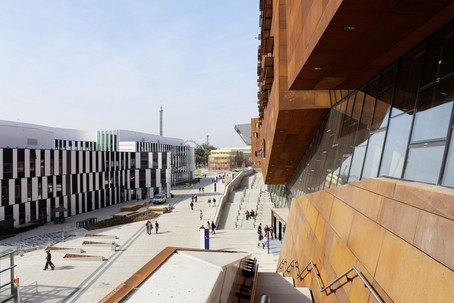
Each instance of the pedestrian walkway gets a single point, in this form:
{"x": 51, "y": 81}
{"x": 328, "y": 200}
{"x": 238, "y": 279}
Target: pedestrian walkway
{"x": 78, "y": 280}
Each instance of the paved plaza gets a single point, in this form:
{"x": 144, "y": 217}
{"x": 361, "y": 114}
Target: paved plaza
{"x": 76, "y": 280}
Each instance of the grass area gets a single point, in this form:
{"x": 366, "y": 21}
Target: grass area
{"x": 123, "y": 220}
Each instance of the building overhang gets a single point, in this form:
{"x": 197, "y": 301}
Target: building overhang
{"x": 290, "y": 133}
{"x": 351, "y": 40}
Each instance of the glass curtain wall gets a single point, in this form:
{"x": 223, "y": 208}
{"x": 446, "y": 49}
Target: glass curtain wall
{"x": 400, "y": 125}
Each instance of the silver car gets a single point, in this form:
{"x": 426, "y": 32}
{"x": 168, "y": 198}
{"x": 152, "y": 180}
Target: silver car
{"x": 159, "y": 199}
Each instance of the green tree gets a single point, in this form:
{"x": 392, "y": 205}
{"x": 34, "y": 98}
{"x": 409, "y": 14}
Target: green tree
{"x": 201, "y": 154}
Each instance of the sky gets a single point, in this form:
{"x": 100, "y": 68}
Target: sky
{"x": 111, "y": 64}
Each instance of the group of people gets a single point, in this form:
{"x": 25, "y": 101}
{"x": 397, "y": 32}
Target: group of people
{"x": 250, "y": 214}
{"x": 149, "y": 226}
{"x": 201, "y": 189}
{"x": 263, "y": 239}
{"x": 209, "y": 202}
{"x": 211, "y": 226}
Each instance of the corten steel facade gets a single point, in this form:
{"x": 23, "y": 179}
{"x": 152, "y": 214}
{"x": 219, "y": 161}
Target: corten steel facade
{"x": 80, "y": 175}
{"x": 349, "y": 92}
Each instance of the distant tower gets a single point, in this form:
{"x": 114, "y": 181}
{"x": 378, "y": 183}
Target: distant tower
{"x": 160, "y": 121}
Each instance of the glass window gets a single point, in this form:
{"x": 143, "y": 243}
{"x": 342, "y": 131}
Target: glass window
{"x": 448, "y": 177}
{"x": 382, "y": 109}
{"x": 424, "y": 162}
{"x": 434, "y": 112}
{"x": 440, "y": 61}
{"x": 396, "y": 146}
{"x": 408, "y": 81}
{"x": 357, "y": 162}
{"x": 373, "y": 155}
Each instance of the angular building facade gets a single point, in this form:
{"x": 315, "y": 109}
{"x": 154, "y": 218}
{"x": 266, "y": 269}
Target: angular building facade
{"x": 355, "y": 136}
{"x": 42, "y": 168}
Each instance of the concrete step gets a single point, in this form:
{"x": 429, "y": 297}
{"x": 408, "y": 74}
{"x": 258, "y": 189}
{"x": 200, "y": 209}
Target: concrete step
{"x": 306, "y": 292}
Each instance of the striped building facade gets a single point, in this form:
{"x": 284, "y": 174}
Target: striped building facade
{"x": 76, "y": 175}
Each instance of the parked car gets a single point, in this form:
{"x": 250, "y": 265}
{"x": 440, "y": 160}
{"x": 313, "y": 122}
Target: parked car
{"x": 159, "y": 199}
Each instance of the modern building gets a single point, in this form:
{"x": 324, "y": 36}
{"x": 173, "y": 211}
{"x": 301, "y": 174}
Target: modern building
{"x": 229, "y": 158}
{"x": 355, "y": 136}
{"x": 42, "y": 168}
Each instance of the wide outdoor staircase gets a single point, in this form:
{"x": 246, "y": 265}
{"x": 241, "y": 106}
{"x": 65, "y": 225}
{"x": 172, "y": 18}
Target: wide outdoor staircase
{"x": 264, "y": 209}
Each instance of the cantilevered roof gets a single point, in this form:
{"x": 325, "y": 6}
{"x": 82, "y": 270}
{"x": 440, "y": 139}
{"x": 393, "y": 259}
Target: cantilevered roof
{"x": 244, "y": 131}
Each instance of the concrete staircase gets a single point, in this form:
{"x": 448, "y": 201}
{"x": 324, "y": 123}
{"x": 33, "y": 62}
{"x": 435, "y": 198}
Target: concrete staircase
{"x": 264, "y": 209}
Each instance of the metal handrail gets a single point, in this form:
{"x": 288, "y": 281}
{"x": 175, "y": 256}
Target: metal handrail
{"x": 317, "y": 275}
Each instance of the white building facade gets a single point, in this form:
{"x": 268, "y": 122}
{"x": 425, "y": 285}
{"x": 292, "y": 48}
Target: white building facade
{"x": 42, "y": 168}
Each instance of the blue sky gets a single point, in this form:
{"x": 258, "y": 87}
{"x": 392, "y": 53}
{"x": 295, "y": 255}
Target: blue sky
{"x": 111, "y": 64}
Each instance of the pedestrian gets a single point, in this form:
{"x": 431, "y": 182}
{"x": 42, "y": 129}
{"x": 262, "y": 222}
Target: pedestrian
{"x": 247, "y": 214}
{"x": 49, "y": 260}
{"x": 213, "y": 227}
{"x": 200, "y": 189}
{"x": 201, "y": 215}
{"x": 156, "y": 225}
{"x": 192, "y": 198}
{"x": 195, "y": 198}
{"x": 267, "y": 239}
{"x": 259, "y": 229}
{"x": 214, "y": 202}
{"x": 203, "y": 189}
{"x": 260, "y": 237}
{"x": 271, "y": 232}
{"x": 192, "y": 205}
{"x": 149, "y": 226}
{"x": 251, "y": 213}
{"x": 208, "y": 224}
{"x": 209, "y": 202}
{"x": 267, "y": 229}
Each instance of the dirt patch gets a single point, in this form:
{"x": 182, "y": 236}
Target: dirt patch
{"x": 76, "y": 256}
{"x": 122, "y": 220}
{"x": 93, "y": 242}
{"x": 58, "y": 248}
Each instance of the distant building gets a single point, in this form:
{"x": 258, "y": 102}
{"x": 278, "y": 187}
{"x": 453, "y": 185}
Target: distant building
{"x": 42, "y": 168}
{"x": 226, "y": 159}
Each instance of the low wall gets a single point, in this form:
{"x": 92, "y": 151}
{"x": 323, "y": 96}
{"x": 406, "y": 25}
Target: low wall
{"x": 398, "y": 234}
{"x": 228, "y": 189}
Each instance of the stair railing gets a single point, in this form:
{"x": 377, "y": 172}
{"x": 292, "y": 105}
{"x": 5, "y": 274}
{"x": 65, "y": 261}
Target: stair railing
{"x": 311, "y": 267}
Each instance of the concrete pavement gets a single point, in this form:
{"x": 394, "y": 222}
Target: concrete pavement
{"x": 76, "y": 280}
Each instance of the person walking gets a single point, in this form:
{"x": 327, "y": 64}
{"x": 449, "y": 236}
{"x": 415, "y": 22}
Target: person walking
{"x": 192, "y": 205}
{"x": 201, "y": 215}
{"x": 149, "y": 226}
{"x": 247, "y": 214}
{"x": 195, "y": 198}
{"x": 49, "y": 260}
{"x": 214, "y": 202}
{"x": 156, "y": 225}
{"x": 260, "y": 238}
{"x": 209, "y": 202}
{"x": 192, "y": 198}
{"x": 213, "y": 227}
{"x": 203, "y": 189}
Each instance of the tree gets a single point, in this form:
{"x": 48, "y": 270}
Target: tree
{"x": 201, "y": 154}
{"x": 239, "y": 159}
